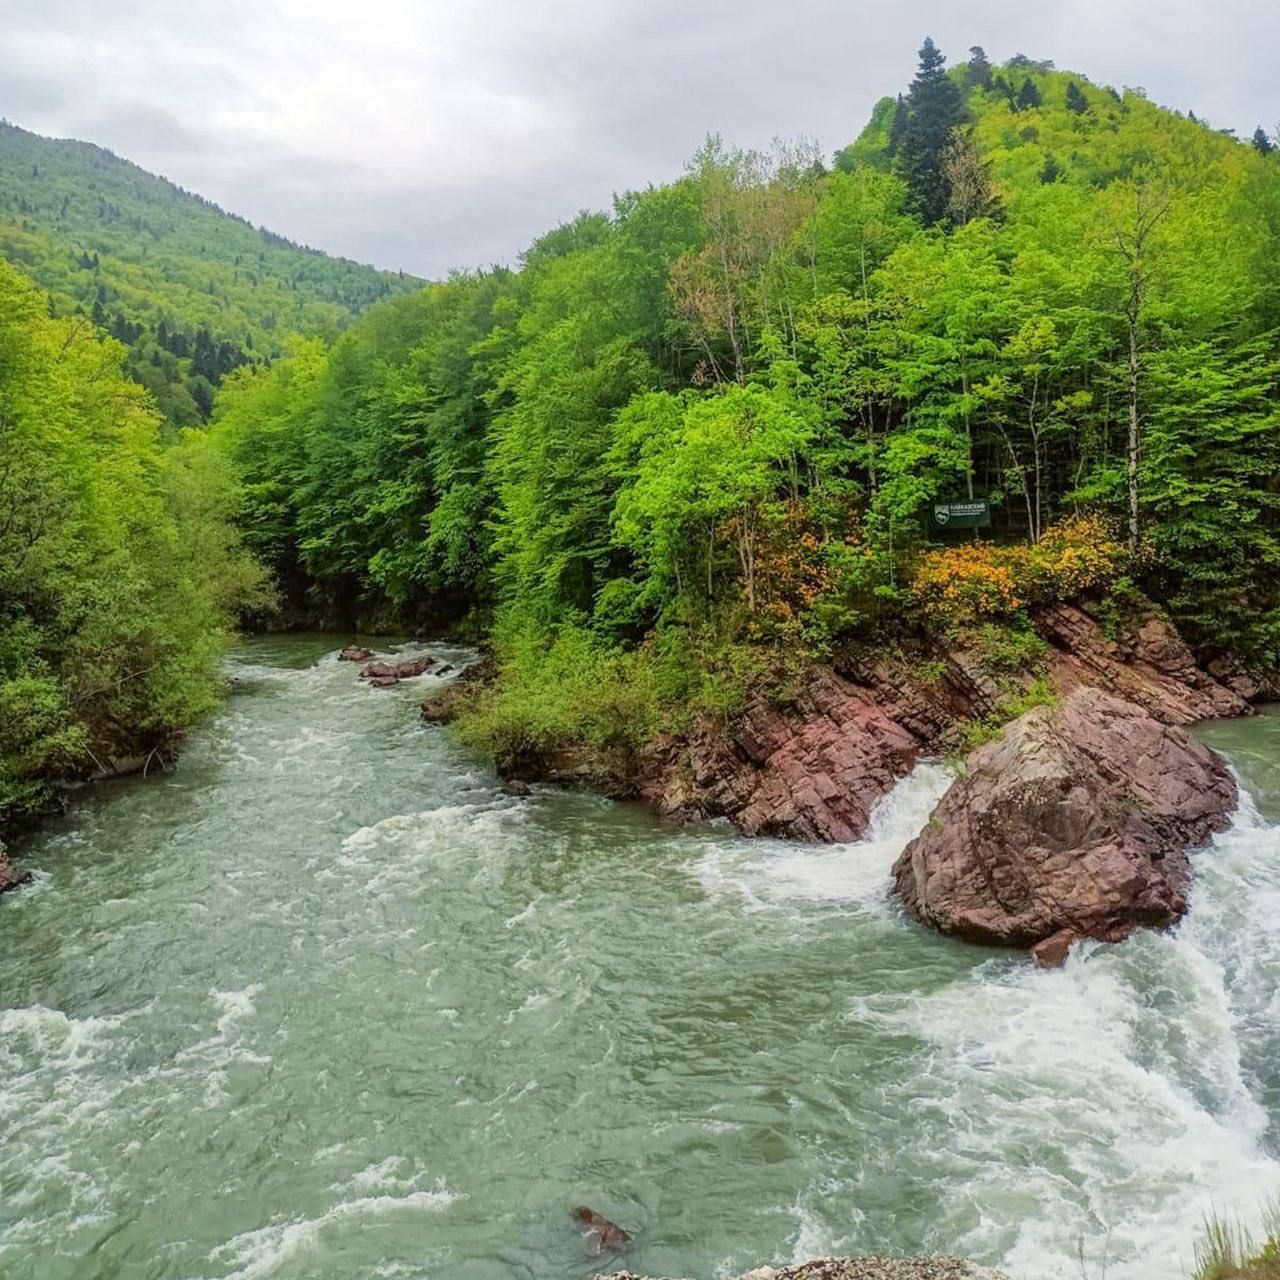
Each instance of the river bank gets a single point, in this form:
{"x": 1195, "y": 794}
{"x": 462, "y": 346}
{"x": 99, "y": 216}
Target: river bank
{"x": 809, "y": 756}
{"x": 1078, "y": 825}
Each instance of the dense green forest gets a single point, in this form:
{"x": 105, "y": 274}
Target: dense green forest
{"x": 690, "y": 443}
{"x": 191, "y": 291}
{"x": 120, "y": 572}
{"x": 702, "y": 432}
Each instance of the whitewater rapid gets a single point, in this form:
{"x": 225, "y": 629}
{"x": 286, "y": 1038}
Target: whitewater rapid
{"x": 327, "y": 1003}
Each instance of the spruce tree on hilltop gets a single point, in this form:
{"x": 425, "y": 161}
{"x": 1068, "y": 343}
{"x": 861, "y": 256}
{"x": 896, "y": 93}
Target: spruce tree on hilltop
{"x": 1261, "y": 142}
{"x": 979, "y": 68}
{"x": 1028, "y": 96}
{"x": 1077, "y": 103}
{"x": 933, "y": 109}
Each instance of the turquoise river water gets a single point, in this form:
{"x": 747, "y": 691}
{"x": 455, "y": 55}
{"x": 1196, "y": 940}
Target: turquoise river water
{"x": 325, "y": 1003}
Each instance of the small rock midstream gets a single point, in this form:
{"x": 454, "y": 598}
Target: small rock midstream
{"x": 325, "y": 1002}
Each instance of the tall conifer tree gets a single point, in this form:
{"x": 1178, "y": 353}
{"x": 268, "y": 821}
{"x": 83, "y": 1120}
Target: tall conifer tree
{"x": 934, "y": 109}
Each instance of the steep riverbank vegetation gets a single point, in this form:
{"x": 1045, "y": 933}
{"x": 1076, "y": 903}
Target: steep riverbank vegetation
{"x": 120, "y": 571}
{"x": 1229, "y": 1251}
{"x": 701, "y": 434}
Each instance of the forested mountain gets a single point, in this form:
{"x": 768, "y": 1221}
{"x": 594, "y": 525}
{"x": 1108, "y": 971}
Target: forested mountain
{"x": 191, "y": 290}
{"x": 708, "y": 426}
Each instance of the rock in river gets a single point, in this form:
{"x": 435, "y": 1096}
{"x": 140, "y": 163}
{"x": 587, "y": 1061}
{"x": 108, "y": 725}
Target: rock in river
{"x": 355, "y": 653}
{"x": 10, "y": 876}
{"x": 1076, "y": 823}
{"x": 382, "y": 675}
{"x": 603, "y": 1234}
{"x": 863, "y": 1269}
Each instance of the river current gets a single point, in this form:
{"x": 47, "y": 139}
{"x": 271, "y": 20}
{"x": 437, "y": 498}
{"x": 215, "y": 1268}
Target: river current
{"x": 324, "y": 1002}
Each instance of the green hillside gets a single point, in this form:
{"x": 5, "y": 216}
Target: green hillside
{"x": 191, "y": 290}
{"x": 705, "y": 434}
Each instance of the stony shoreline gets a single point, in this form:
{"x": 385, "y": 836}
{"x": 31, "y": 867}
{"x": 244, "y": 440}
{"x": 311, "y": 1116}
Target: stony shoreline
{"x": 935, "y": 1268}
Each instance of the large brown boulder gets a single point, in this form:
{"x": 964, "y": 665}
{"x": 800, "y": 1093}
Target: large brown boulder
{"x": 381, "y": 675}
{"x": 1075, "y": 823}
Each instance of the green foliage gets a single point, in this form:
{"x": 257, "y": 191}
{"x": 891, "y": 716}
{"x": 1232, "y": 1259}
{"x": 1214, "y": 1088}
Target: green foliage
{"x": 119, "y": 569}
{"x": 193, "y": 292}
{"x": 934, "y": 108}
{"x": 1016, "y": 700}
{"x": 1228, "y": 1250}
{"x": 1007, "y": 649}
{"x": 567, "y": 699}
{"x": 723, "y": 408}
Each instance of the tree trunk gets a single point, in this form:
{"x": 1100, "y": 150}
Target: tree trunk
{"x": 1134, "y": 310}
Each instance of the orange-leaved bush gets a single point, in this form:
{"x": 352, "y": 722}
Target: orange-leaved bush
{"x": 980, "y": 579}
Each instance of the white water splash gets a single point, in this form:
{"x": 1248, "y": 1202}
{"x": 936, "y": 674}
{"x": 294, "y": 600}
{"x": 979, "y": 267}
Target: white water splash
{"x": 772, "y": 873}
{"x": 253, "y": 1255}
{"x": 1104, "y": 1106}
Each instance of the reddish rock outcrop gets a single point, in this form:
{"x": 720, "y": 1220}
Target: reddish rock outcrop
{"x": 813, "y": 765}
{"x": 811, "y": 768}
{"x": 355, "y": 653}
{"x": 10, "y": 876}
{"x": 1148, "y": 664}
{"x": 935, "y": 1268}
{"x": 1079, "y": 818}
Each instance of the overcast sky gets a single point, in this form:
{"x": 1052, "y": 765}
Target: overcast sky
{"x": 427, "y": 134}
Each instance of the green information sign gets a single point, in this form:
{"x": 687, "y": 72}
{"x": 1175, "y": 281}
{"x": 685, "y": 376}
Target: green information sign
{"x": 975, "y": 514}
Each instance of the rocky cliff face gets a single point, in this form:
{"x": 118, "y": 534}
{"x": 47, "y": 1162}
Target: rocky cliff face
{"x": 813, "y": 764}
{"x": 1076, "y": 822}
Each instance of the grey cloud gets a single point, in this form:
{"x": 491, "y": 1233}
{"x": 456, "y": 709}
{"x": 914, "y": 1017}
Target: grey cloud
{"x": 451, "y": 133}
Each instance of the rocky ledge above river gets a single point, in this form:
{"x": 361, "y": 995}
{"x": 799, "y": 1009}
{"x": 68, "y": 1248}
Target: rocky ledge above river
{"x": 812, "y": 765}
{"x": 938, "y": 1268}
{"x": 1077, "y": 822}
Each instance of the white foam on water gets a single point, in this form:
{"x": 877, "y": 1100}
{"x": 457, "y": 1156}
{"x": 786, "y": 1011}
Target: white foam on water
{"x": 253, "y": 1255}
{"x": 767, "y": 874}
{"x": 215, "y": 1055}
{"x": 50, "y": 1087}
{"x": 1103, "y": 1105}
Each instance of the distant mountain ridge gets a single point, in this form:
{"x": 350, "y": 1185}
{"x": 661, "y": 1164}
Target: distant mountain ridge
{"x": 192, "y": 290}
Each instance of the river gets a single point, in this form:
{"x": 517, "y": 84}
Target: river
{"x": 324, "y": 1002}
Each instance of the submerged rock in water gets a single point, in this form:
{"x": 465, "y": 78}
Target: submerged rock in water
{"x": 1077, "y": 821}
{"x": 937, "y": 1268}
{"x": 603, "y": 1233}
{"x": 10, "y": 876}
